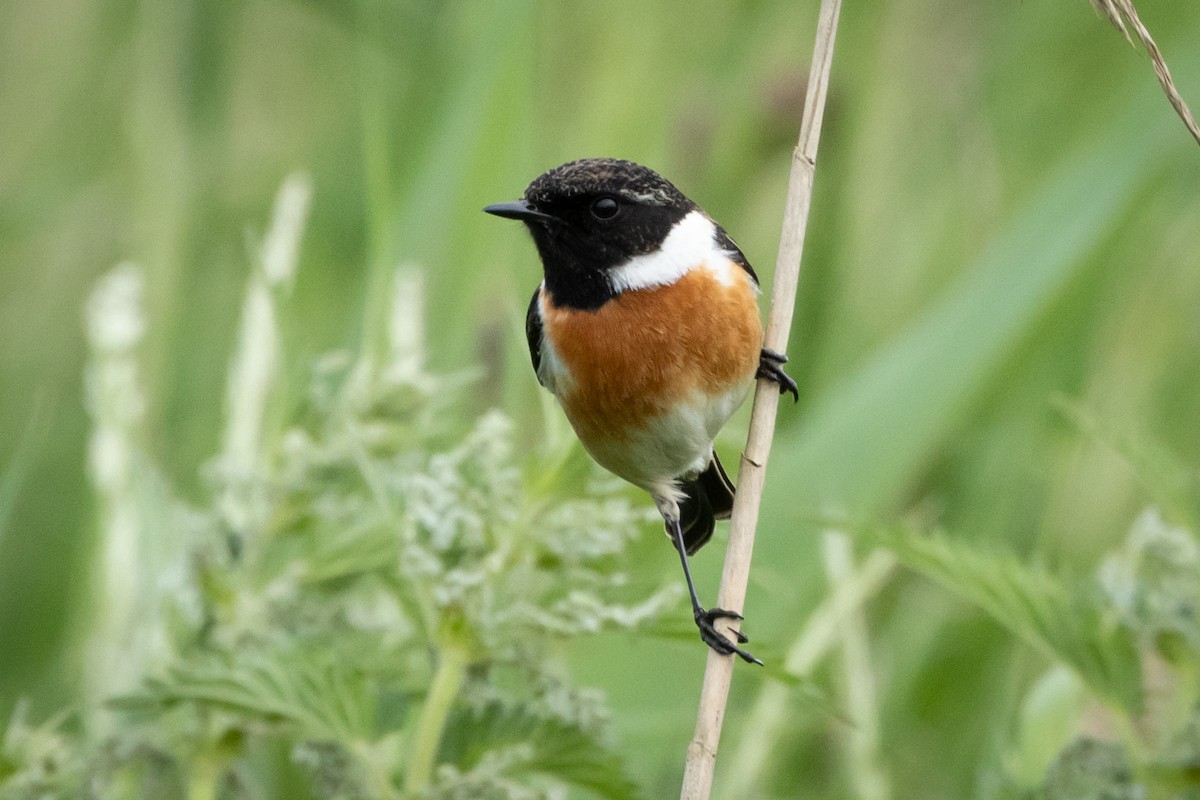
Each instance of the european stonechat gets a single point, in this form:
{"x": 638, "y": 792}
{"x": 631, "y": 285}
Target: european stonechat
{"x": 646, "y": 329}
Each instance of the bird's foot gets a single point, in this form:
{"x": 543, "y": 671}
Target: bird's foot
{"x": 717, "y": 640}
{"x": 770, "y": 366}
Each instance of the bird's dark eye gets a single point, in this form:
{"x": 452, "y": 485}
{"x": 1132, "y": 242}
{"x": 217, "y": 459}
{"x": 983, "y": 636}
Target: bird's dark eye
{"x": 605, "y": 208}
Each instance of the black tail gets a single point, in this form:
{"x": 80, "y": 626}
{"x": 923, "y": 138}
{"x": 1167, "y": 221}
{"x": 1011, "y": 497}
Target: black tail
{"x": 707, "y": 499}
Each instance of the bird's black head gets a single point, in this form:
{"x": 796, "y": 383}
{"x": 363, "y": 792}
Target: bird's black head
{"x": 591, "y": 215}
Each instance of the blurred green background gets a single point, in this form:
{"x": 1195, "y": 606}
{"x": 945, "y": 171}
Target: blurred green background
{"x": 1006, "y": 213}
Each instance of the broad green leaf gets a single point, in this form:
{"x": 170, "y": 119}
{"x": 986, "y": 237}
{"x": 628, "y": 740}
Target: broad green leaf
{"x": 318, "y": 695}
{"x": 1173, "y": 484}
{"x": 1047, "y": 721}
{"x": 865, "y": 439}
{"x": 1064, "y": 625}
{"x": 15, "y": 471}
{"x": 548, "y": 747}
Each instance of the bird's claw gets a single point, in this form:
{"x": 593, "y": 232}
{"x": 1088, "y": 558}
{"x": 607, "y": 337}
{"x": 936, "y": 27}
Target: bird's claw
{"x": 770, "y": 366}
{"x": 717, "y": 640}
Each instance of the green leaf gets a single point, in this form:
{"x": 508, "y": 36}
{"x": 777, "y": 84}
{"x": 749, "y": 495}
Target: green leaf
{"x": 316, "y": 694}
{"x": 353, "y": 553}
{"x": 1048, "y": 720}
{"x": 540, "y": 746}
{"x": 865, "y": 438}
{"x": 17, "y": 468}
{"x": 1174, "y": 485}
{"x": 1033, "y": 605}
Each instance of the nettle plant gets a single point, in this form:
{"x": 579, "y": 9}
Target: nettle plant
{"x": 391, "y": 619}
{"x": 368, "y": 603}
{"x": 1116, "y": 714}
{"x": 366, "y": 607}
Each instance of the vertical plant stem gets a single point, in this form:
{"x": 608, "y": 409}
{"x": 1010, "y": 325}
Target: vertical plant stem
{"x": 702, "y": 752}
{"x": 821, "y": 632}
{"x": 204, "y": 776}
{"x": 867, "y": 776}
{"x": 447, "y": 680}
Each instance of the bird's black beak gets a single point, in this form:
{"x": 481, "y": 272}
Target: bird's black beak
{"x": 520, "y": 209}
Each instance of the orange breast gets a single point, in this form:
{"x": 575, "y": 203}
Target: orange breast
{"x": 631, "y": 359}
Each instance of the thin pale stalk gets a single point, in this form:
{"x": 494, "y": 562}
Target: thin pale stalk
{"x": 861, "y": 697}
{"x": 821, "y": 632}
{"x": 447, "y": 680}
{"x": 1123, "y": 15}
{"x": 702, "y": 752}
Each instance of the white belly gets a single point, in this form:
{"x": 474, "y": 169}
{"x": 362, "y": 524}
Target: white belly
{"x": 674, "y": 445}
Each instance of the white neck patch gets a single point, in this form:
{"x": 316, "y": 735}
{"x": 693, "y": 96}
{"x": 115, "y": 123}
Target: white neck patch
{"x": 691, "y": 244}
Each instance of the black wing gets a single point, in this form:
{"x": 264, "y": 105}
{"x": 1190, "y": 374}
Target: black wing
{"x": 533, "y": 331}
{"x": 735, "y": 253}
{"x": 706, "y": 499}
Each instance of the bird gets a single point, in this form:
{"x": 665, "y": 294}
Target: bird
{"x": 646, "y": 329}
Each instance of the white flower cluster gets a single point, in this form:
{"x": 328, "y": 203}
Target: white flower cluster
{"x": 1153, "y": 581}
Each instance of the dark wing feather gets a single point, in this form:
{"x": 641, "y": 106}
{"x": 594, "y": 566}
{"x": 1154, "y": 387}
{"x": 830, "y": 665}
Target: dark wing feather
{"x": 696, "y": 518}
{"x": 533, "y": 331}
{"x": 735, "y": 253}
{"x": 718, "y": 487}
{"x": 706, "y": 499}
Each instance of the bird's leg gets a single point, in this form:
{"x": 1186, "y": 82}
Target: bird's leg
{"x": 770, "y": 366}
{"x": 705, "y": 619}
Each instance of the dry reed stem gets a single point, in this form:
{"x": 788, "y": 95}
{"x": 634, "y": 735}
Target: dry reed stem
{"x": 702, "y": 752}
{"x": 1124, "y": 16}
{"x": 822, "y": 631}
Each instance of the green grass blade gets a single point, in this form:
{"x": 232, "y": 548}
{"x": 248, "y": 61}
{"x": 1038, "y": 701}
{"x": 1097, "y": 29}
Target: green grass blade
{"x": 17, "y": 468}
{"x": 1033, "y": 605}
{"x": 864, "y": 440}
{"x": 1174, "y": 484}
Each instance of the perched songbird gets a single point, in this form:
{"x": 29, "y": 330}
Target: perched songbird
{"x": 646, "y": 329}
